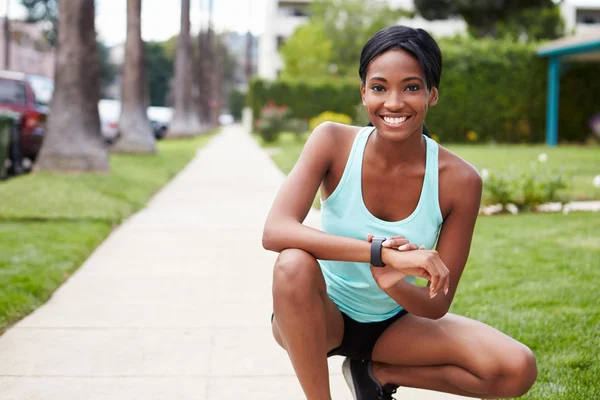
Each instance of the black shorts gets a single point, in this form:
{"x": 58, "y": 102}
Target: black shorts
{"x": 360, "y": 337}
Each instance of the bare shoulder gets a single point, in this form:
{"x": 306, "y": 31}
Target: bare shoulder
{"x": 455, "y": 173}
{"x": 335, "y": 131}
{"x": 331, "y": 139}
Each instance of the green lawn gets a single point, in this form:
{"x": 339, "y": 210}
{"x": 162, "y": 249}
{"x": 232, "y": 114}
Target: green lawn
{"x": 533, "y": 276}
{"x": 50, "y": 223}
{"x": 580, "y": 164}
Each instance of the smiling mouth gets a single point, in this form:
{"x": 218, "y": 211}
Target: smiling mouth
{"x": 395, "y": 121}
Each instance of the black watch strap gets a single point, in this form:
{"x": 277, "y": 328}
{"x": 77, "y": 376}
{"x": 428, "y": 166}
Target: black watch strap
{"x": 376, "y": 251}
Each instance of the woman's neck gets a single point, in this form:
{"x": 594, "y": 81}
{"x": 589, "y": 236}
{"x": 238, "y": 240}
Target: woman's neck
{"x": 391, "y": 154}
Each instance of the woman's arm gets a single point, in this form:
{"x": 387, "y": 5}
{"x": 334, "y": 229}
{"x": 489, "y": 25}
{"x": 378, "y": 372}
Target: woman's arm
{"x": 453, "y": 249}
{"x": 284, "y": 229}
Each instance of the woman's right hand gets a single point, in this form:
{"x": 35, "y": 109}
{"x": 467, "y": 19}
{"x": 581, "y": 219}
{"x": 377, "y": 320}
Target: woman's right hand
{"x": 426, "y": 264}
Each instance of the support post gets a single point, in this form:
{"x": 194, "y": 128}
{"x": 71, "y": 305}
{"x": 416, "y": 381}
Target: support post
{"x": 552, "y": 105}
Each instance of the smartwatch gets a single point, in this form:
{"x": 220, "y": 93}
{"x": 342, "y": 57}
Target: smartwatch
{"x": 376, "y": 251}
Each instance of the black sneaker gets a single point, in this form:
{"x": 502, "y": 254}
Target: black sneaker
{"x": 362, "y": 385}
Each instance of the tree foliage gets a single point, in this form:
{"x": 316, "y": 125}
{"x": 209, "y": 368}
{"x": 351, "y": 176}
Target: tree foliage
{"x": 533, "y": 19}
{"x": 307, "y": 53}
{"x": 44, "y": 12}
{"x": 159, "y": 70}
{"x": 335, "y": 36}
{"x": 108, "y": 71}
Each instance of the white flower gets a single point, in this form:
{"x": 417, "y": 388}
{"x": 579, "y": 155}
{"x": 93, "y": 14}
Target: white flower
{"x": 597, "y": 181}
{"x": 485, "y": 174}
{"x": 543, "y": 157}
{"x": 511, "y": 208}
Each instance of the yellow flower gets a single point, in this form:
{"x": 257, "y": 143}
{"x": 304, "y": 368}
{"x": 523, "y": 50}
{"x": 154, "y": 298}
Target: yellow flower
{"x": 472, "y": 136}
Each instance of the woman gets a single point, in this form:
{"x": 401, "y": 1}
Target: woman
{"x": 392, "y": 181}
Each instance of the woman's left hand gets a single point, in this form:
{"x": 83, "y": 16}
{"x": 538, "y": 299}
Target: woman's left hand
{"x": 387, "y": 277}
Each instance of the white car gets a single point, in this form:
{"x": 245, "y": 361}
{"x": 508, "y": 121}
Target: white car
{"x": 110, "y": 112}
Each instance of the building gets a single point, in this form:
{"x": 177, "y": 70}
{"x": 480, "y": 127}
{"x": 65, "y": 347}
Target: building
{"x": 581, "y": 15}
{"x": 29, "y": 51}
{"x": 284, "y": 16}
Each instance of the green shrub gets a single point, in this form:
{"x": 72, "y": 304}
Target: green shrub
{"x": 329, "y": 116}
{"x": 305, "y": 99}
{"x": 237, "y": 100}
{"x": 272, "y": 122}
{"x": 525, "y": 189}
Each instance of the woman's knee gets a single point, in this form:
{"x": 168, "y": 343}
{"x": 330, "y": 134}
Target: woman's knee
{"x": 522, "y": 371}
{"x": 296, "y": 272}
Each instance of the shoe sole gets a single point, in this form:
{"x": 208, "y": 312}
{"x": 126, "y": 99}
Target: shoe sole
{"x": 346, "y": 371}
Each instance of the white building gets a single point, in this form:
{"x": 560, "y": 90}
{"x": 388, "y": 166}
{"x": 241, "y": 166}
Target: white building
{"x": 29, "y": 51}
{"x": 581, "y": 15}
{"x": 284, "y": 16}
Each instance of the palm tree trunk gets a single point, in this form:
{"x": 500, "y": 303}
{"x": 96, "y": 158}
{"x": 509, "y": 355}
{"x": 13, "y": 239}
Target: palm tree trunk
{"x": 204, "y": 80}
{"x": 137, "y": 135}
{"x": 185, "y": 120}
{"x": 73, "y": 142}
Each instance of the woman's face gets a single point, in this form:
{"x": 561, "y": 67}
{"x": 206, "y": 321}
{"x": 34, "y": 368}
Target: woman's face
{"x": 395, "y": 94}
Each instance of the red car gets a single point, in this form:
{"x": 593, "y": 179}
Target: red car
{"x": 17, "y": 95}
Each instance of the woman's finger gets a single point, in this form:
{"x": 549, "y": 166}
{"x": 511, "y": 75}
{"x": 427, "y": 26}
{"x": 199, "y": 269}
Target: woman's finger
{"x": 408, "y": 247}
{"x": 395, "y": 243}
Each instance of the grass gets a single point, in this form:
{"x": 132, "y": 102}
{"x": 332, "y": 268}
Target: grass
{"x": 580, "y": 164}
{"x": 532, "y": 276}
{"x": 50, "y": 223}
{"x": 535, "y": 278}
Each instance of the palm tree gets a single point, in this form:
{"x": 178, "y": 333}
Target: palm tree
{"x": 73, "y": 142}
{"x": 185, "y": 119}
{"x": 136, "y": 131}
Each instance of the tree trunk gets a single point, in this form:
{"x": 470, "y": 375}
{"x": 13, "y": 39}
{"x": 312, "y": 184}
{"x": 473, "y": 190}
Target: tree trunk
{"x": 137, "y": 135}
{"x": 185, "y": 120}
{"x": 204, "y": 78}
{"x": 73, "y": 142}
{"x": 217, "y": 78}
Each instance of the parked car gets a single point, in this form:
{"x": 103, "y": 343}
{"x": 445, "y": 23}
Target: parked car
{"x": 160, "y": 118}
{"x": 110, "y": 112}
{"x": 17, "y": 94}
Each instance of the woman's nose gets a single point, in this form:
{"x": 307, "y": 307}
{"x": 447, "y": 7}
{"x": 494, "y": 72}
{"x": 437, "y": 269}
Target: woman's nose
{"x": 395, "y": 101}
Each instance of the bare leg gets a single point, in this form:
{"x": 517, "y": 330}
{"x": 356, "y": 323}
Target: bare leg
{"x": 307, "y": 323}
{"x": 455, "y": 355}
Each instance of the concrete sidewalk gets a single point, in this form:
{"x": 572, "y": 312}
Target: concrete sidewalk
{"x": 175, "y": 304}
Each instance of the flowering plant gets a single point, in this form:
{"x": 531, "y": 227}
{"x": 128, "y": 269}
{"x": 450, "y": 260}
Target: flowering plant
{"x": 272, "y": 121}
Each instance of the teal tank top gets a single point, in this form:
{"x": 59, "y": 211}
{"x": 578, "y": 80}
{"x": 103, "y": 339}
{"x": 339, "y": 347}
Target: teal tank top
{"x": 350, "y": 284}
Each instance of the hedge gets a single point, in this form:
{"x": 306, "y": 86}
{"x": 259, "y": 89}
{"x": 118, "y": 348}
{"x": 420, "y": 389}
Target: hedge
{"x": 495, "y": 88}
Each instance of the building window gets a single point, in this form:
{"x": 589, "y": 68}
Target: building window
{"x": 587, "y": 16}
{"x": 280, "y": 41}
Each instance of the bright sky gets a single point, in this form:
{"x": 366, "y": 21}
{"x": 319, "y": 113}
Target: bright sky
{"x": 160, "y": 22}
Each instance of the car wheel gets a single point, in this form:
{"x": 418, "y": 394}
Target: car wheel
{"x": 161, "y": 132}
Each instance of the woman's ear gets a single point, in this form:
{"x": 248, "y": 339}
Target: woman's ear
{"x": 433, "y": 97}
{"x": 362, "y": 93}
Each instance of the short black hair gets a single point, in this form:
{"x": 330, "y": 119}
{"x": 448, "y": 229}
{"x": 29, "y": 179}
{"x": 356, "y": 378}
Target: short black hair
{"x": 417, "y": 42}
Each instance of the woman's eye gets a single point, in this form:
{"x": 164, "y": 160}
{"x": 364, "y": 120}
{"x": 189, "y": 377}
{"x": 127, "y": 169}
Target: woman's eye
{"x": 412, "y": 88}
{"x": 378, "y": 88}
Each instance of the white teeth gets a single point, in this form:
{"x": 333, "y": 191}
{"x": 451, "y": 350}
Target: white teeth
{"x": 390, "y": 120}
